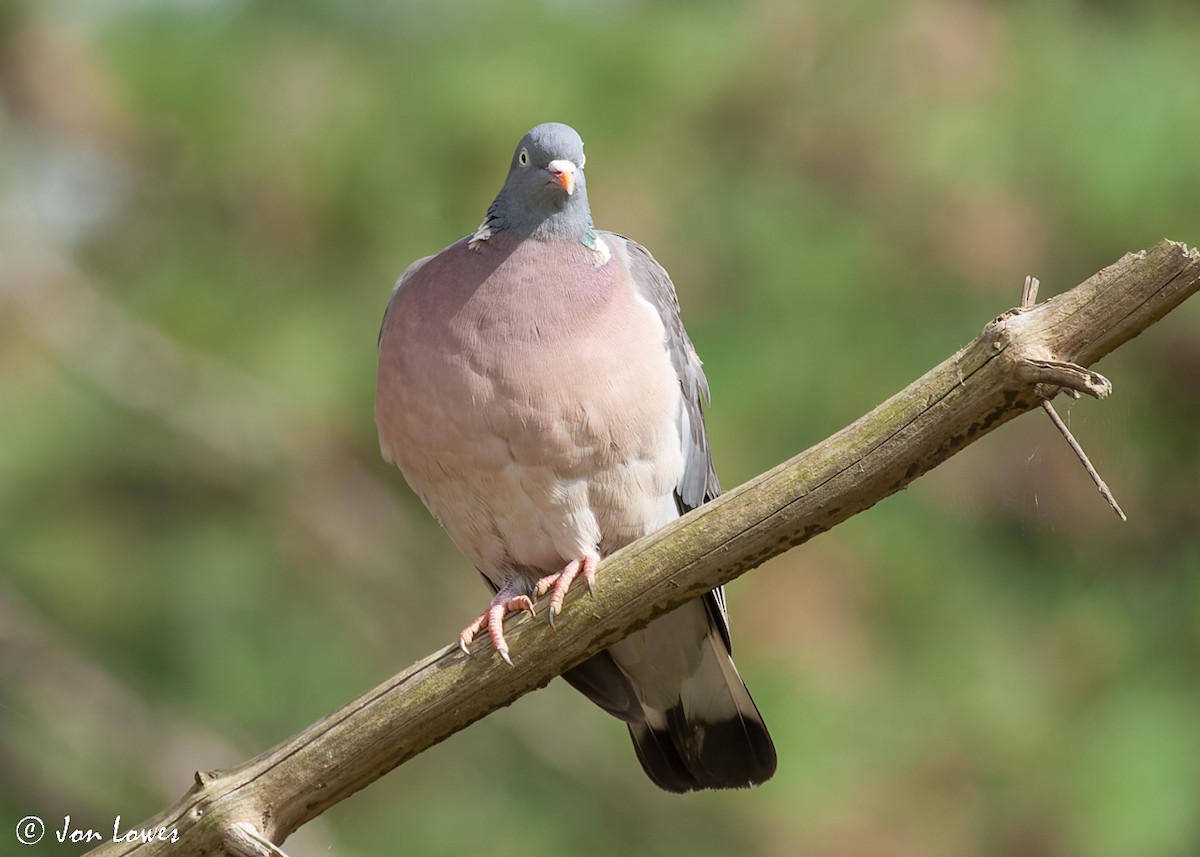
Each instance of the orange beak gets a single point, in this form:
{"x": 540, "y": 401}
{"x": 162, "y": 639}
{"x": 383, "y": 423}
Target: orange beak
{"x": 562, "y": 173}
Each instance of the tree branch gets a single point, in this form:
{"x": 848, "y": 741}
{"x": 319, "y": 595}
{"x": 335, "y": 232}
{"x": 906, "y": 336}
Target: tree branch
{"x": 1021, "y": 358}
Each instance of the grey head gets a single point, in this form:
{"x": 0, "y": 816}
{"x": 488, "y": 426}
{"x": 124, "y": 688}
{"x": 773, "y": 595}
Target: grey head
{"x": 545, "y": 194}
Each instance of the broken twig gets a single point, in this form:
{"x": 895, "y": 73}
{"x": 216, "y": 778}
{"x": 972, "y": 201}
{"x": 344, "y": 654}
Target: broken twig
{"x": 1028, "y": 299}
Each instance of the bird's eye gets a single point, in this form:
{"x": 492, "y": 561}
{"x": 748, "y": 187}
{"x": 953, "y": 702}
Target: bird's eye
{"x": 523, "y": 157}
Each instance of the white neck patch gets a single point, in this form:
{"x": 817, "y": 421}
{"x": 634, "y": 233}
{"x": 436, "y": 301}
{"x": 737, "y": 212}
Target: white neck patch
{"x": 483, "y": 233}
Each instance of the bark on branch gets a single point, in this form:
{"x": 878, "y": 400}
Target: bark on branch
{"x": 1021, "y": 358}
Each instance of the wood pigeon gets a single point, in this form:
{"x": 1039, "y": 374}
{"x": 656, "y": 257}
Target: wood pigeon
{"x": 540, "y": 395}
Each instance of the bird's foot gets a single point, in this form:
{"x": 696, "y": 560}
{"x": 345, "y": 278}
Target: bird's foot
{"x": 508, "y": 600}
{"x": 558, "y": 584}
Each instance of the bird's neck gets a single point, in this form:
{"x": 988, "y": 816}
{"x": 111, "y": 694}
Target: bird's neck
{"x": 571, "y": 222}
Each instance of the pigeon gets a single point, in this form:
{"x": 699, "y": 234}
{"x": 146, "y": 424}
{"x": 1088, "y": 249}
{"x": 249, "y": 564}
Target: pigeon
{"x": 538, "y": 392}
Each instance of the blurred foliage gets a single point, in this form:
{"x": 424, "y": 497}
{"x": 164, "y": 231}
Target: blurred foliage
{"x": 203, "y": 205}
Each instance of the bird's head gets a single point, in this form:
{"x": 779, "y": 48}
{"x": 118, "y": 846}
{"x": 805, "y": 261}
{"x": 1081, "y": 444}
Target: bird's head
{"x": 545, "y": 189}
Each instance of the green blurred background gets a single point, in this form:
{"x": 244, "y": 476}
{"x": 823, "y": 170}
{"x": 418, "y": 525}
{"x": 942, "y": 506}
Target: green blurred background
{"x": 203, "y": 207}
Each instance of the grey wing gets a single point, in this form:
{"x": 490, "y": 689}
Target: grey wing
{"x": 698, "y": 484}
{"x": 400, "y": 283}
{"x": 699, "y": 480}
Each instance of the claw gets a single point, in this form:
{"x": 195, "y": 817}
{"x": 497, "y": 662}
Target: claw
{"x": 589, "y": 575}
{"x": 469, "y": 633}
{"x": 558, "y": 584}
{"x": 513, "y": 598}
{"x": 507, "y": 600}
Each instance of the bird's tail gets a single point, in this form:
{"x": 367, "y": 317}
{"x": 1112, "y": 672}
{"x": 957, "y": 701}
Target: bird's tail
{"x": 714, "y": 737}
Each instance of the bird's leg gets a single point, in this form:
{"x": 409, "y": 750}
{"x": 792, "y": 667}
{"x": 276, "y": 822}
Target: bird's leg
{"x": 558, "y": 584}
{"x": 510, "y": 599}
